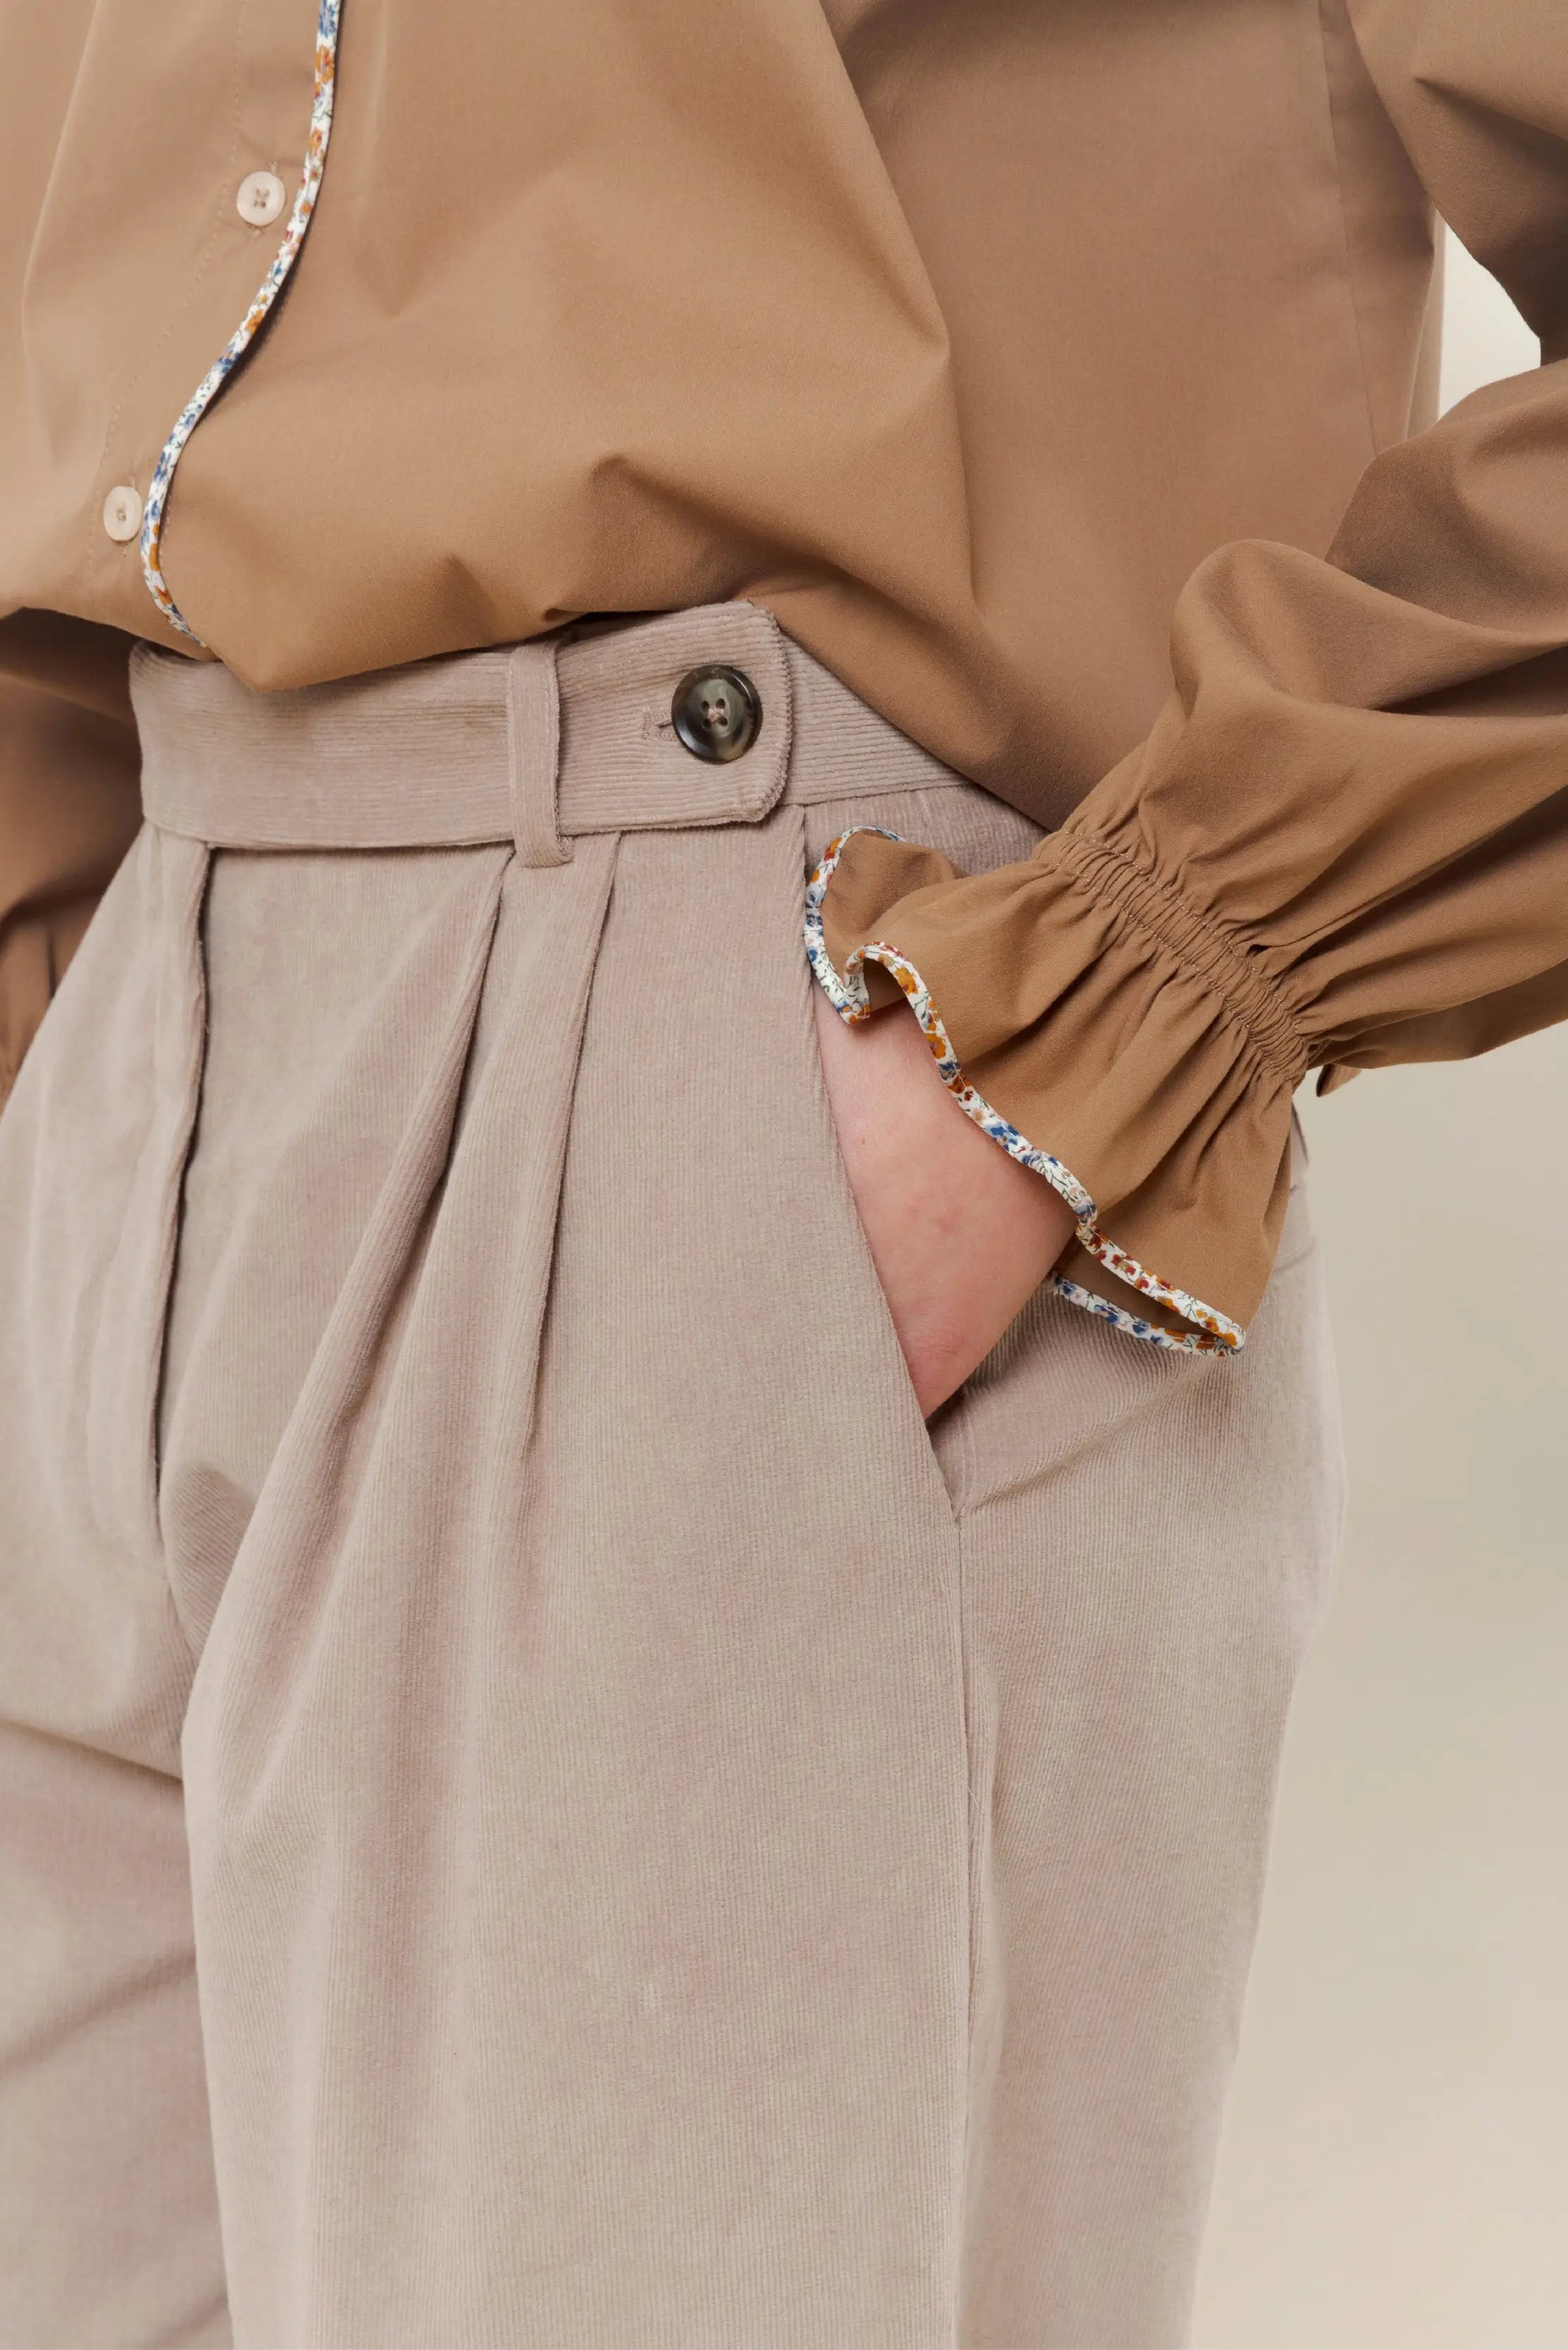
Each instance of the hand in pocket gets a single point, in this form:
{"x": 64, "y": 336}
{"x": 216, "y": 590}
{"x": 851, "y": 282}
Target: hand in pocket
{"x": 960, "y": 1235}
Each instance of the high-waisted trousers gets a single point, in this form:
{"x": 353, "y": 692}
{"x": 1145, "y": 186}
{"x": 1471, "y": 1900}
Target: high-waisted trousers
{"x": 543, "y": 1805}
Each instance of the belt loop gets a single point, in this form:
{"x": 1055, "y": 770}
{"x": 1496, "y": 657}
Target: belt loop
{"x": 533, "y": 748}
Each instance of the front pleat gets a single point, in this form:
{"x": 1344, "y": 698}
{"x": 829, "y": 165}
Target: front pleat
{"x": 127, "y": 1343}
{"x": 444, "y": 1299}
{"x": 326, "y": 1688}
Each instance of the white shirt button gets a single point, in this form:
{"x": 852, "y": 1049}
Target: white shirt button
{"x": 260, "y": 198}
{"x": 122, "y": 512}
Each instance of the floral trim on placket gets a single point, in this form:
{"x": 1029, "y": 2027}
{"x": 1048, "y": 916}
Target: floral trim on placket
{"x": 847, "y": 992}
{"x": 244, "y": 334}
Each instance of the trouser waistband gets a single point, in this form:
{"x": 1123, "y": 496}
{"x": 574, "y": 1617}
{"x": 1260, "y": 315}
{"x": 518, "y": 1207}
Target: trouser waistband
{"x": 533, "y": 743}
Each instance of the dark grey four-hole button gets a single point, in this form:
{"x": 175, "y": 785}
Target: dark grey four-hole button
{"x": 718, "y": 712}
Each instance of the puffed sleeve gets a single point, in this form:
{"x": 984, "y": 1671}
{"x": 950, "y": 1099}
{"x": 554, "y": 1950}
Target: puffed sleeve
{"x": 69, "y": 804}
{"x": 1344, "y": 842}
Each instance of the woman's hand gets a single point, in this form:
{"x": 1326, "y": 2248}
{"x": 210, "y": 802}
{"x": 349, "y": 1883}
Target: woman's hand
{"x": 960, "y": 1235}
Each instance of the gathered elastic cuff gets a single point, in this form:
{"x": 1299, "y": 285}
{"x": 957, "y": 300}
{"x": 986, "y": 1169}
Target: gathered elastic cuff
{"x": 1104, "y": 1039}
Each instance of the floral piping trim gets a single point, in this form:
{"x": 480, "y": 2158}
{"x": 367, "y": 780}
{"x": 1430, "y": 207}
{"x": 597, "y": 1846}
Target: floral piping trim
{"x": 847, "y": 992}
{"x": 244, "y": 334}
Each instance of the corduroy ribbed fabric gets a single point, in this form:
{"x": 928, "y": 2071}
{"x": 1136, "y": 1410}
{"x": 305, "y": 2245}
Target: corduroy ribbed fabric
{"x": 544, "y": 1806}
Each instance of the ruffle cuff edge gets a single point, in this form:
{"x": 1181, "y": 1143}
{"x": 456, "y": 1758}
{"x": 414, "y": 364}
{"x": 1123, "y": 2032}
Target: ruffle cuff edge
{"x": 1209, "y": 1332}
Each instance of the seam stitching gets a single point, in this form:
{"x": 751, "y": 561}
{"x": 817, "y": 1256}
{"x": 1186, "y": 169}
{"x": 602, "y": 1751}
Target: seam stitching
{"x": 1352, "y": 285}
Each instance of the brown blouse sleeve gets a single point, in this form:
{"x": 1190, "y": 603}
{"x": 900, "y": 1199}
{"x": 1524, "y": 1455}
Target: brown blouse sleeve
{"x": 69, "y": 804}
{"x": 1344, "y": 842}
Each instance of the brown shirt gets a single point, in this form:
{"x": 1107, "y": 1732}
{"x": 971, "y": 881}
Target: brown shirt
{"x": 971, "y": 338}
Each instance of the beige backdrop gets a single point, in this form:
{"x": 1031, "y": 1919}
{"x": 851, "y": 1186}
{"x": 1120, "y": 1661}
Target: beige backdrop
{"x": 1394, "y": 2171}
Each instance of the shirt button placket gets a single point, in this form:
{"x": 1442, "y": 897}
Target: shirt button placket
{"x": 122, "y": 512}
{"x": 259, "y": 198}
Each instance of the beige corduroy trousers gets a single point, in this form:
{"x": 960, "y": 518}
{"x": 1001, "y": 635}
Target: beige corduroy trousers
{"x": 542, "y": 1806}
